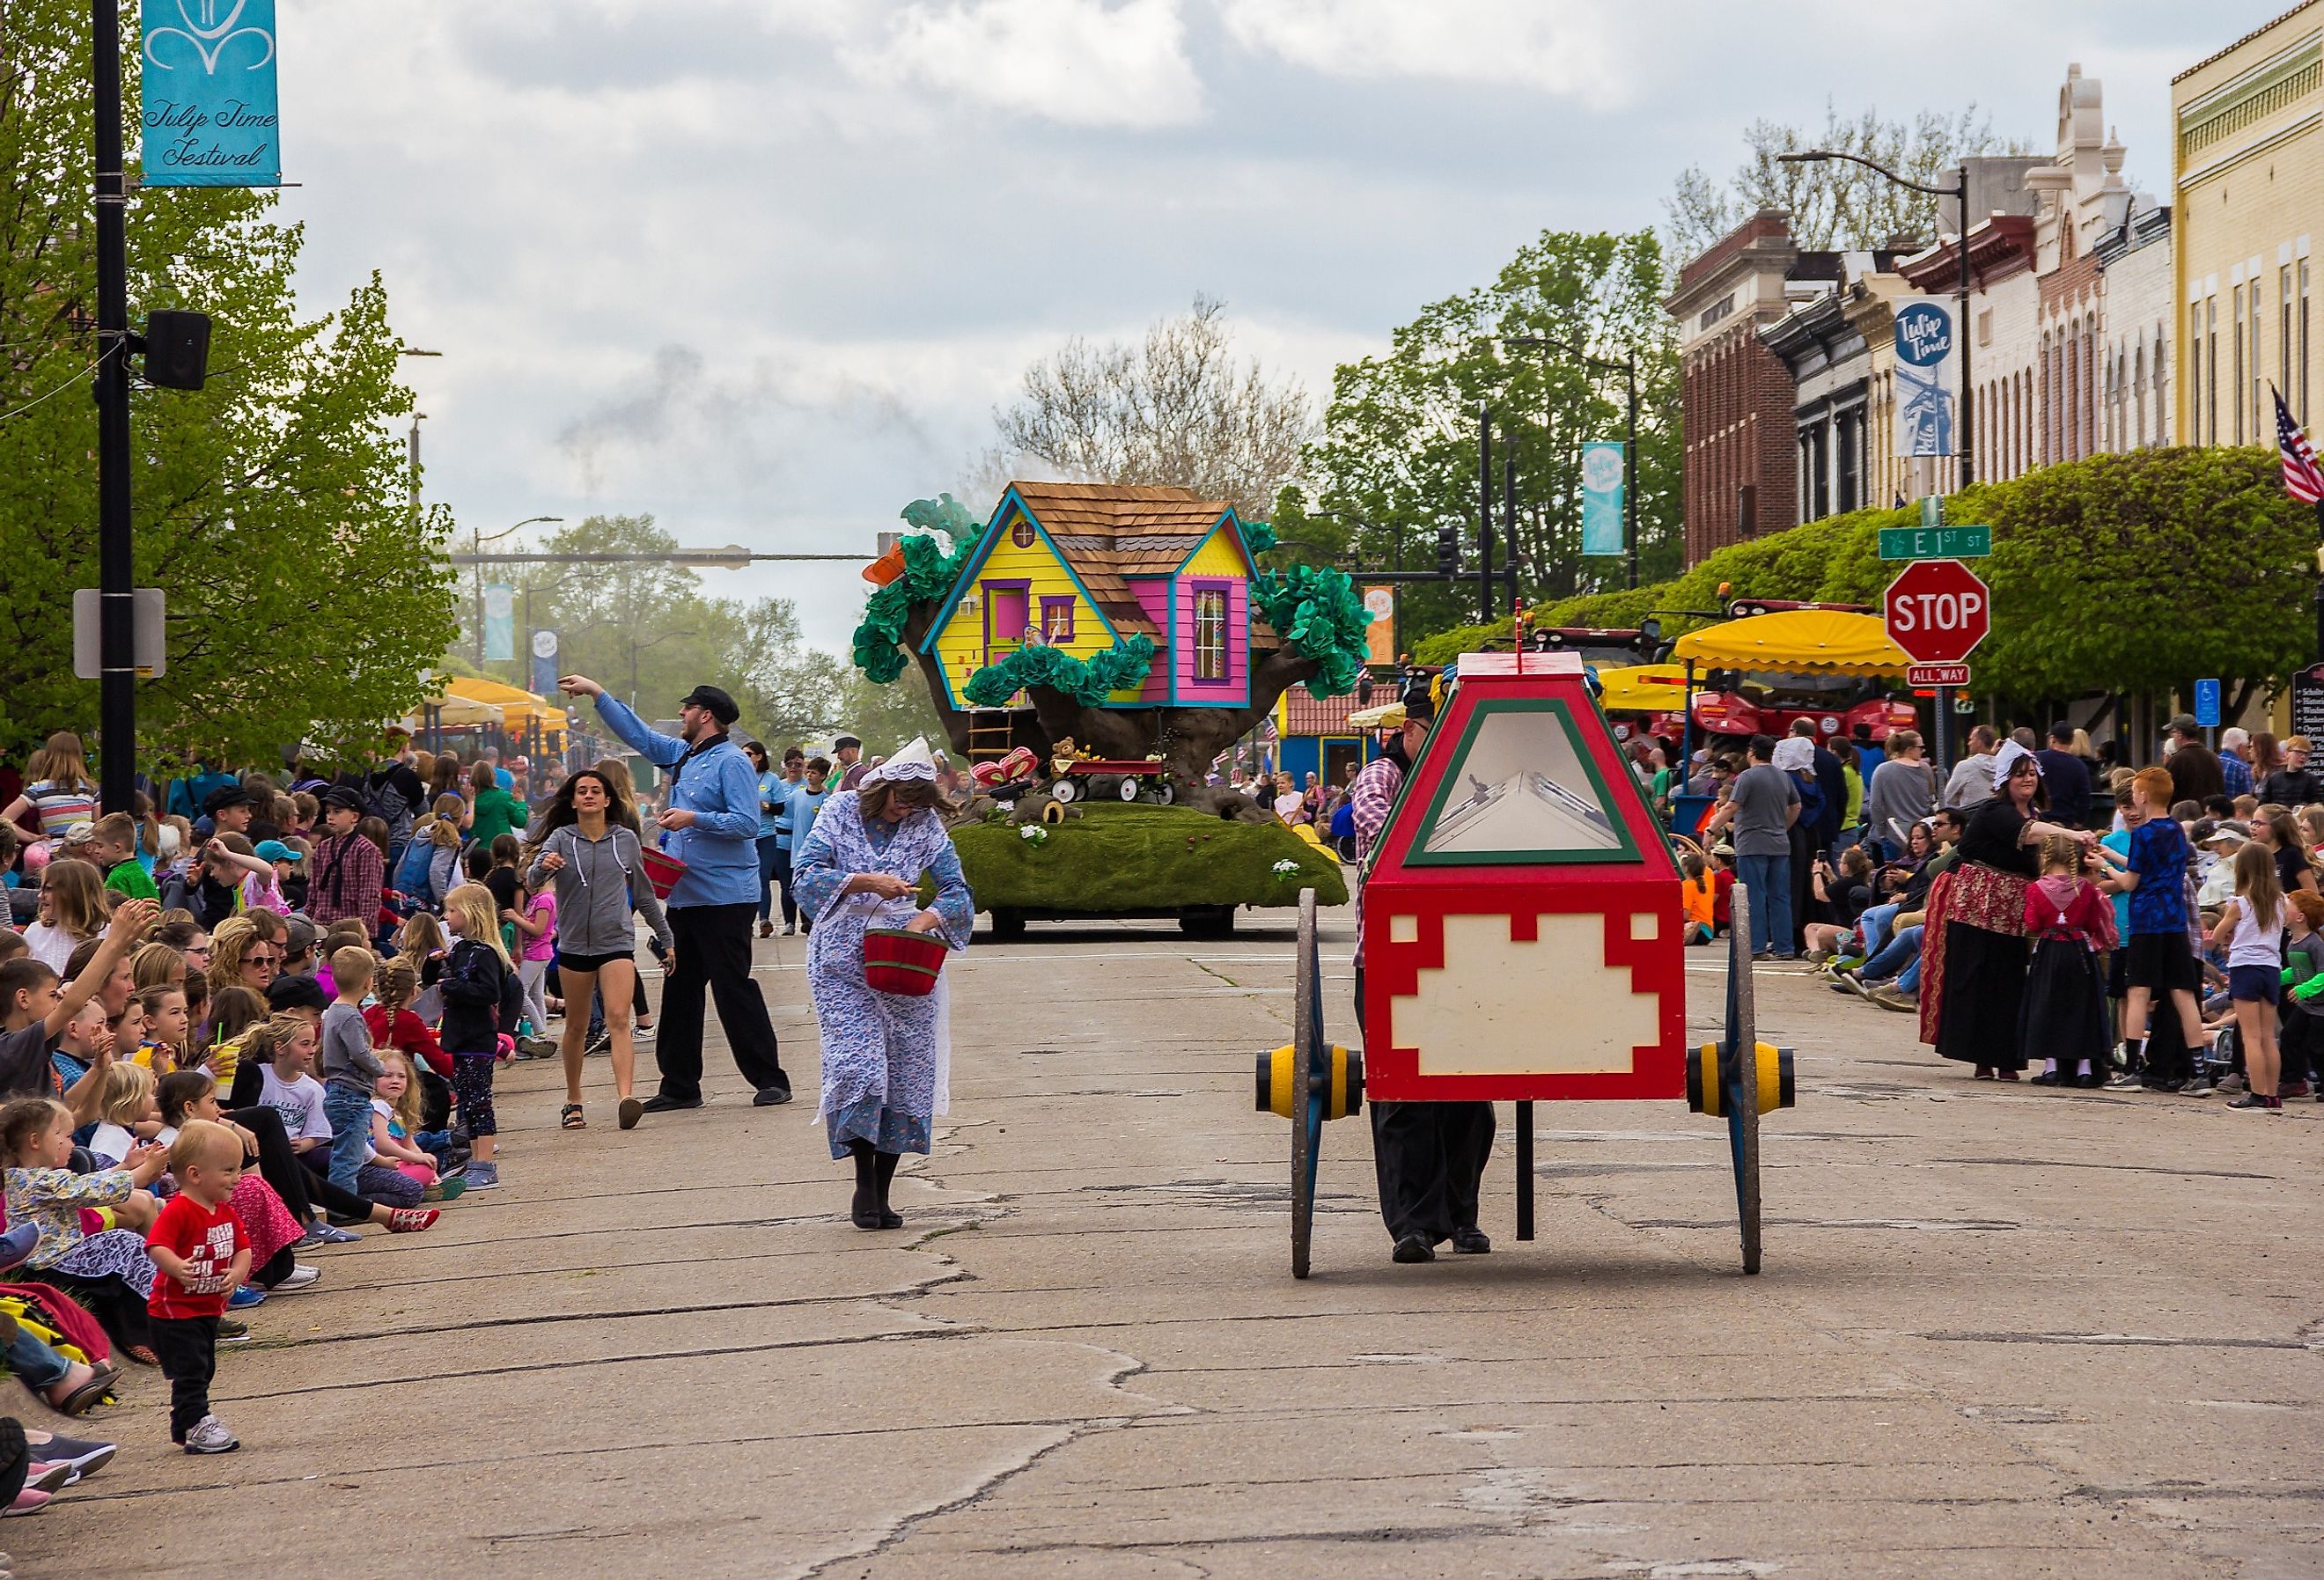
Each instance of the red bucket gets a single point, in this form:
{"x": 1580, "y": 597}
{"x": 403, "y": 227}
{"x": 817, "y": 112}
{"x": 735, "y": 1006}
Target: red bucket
{"x": 663, "y": 870}
{"x": 902, "y": 963}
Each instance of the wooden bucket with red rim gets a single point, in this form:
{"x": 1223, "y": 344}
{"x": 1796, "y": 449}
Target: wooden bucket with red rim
{"x": 902, "y": 963}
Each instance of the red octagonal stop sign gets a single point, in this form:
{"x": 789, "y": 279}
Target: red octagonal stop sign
{"x": 1938, "y": 611}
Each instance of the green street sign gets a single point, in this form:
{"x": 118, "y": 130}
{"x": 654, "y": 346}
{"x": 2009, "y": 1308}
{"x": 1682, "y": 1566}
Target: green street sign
{"x": 1936, "y": 542}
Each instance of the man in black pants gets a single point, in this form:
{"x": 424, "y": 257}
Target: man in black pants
{"x": 1429, "y": 1157}
{"x": 712, "y": 824}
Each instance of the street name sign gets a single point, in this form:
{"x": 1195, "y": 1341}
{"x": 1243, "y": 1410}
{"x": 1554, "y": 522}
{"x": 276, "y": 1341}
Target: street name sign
{"x": 1921, "y": 675}
{"x": 1937, "y": 611}
{"x": 1963, "y": 542}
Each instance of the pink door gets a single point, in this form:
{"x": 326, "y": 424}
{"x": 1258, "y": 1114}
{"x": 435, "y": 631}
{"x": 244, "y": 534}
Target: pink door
{"x": 1006, "y": 614}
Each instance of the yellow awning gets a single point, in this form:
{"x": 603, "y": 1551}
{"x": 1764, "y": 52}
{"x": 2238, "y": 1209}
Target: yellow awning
{"x": 1643, "y": 689}
{"x": 516, "y": 704}
{"x": 1813, "y": 642}
{"x": 457, "y": 713}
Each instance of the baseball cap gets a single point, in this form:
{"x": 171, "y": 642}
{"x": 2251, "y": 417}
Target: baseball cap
{"x": 275, "y": 850}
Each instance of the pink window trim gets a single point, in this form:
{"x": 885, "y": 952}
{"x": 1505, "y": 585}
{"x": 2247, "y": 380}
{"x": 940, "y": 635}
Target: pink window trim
{"x": 1225, "y": 649}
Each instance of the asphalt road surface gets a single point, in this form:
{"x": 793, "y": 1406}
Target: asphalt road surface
{"x": 2001, "y": 1331}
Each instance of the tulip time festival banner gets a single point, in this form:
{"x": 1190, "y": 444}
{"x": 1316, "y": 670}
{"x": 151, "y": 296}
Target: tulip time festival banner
{"x": 209, "y": 113}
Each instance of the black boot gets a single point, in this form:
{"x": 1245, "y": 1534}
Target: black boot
{"x": 865, "y": 1210}
{"x": 887, "y": 1172}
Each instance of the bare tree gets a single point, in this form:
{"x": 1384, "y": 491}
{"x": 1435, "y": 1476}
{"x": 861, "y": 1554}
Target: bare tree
{"x": 1833, "y": 204}
{"x": 1176, "y": 410}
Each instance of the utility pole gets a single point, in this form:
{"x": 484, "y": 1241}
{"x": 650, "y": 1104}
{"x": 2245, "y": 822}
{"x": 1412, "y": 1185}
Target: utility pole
{"x": 1484, "y": 513}
{"x": 1630, "y": 474}
{"x": 115, "y": 544}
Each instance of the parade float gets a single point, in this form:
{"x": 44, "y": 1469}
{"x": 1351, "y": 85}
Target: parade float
{"x": 1092, "y": 649}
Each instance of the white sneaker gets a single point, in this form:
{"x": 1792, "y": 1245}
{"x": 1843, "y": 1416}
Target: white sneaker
{"x": 209, "y": 1435}
{"x": 640, "y": 1035}
{"x": 301, "y": 1275}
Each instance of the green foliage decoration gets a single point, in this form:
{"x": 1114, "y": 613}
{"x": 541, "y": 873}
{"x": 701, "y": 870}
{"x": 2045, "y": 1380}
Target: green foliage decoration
{"x": 2129, "y": 572}
{"x": 1089, "y": 681}
{"x": 929, "y": 573}
{"x": 1320, "y": 615}
{"x": 1258, "y": 536}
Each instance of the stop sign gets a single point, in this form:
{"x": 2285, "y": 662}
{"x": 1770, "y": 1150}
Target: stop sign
{"x": 1938, "y": 611}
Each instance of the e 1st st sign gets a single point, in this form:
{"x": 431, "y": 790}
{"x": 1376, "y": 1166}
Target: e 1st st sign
{"x": 1938, "y": 611}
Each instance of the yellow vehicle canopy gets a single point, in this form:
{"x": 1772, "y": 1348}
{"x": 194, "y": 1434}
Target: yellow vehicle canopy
{"x": 516, "y": 704}
{"x": 1811, "y": 642}
{"x": 1643, "y": 689}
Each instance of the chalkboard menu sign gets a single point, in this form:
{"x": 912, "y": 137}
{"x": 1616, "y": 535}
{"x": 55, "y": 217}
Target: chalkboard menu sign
{"x": 2307, "y": 702}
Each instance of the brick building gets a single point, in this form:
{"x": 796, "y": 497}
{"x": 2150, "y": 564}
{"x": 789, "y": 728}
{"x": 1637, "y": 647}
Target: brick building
{"x": 1741, "y": 470}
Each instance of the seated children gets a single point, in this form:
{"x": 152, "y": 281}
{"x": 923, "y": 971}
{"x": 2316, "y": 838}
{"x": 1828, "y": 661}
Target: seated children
{"x": 285, "y": 1048}
{"x": 107, "y": 1271}
{"x": 126, "y": 1116}
{"x": 396, "y": 1116}
{"x": 166, "y": 1021}
{"x": 1699, "y": 899}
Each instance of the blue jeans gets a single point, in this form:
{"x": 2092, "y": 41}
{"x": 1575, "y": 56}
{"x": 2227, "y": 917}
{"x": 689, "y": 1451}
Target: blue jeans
{"x": 1769, "y": 879}
{"x": 770, "y": 853}
{"x": 35, "y": 1364}
{"x": 1904, "y": 951}
{"x": 348, "y": 1108}
{"x": 1873, "y": 926}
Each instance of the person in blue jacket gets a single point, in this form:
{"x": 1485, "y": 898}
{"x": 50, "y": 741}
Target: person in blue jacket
{"x": 712, "y": 824}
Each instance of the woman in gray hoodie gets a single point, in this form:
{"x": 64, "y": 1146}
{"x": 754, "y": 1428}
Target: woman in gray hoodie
{"x": 585, "y": 842}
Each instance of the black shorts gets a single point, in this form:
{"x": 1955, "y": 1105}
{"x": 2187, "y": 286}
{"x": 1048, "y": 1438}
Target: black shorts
{"x": 590, "y": 964}
{"x": 2162, "y": 963}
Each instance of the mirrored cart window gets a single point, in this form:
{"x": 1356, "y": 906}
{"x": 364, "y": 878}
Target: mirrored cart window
{"x": 1519, "y": 789}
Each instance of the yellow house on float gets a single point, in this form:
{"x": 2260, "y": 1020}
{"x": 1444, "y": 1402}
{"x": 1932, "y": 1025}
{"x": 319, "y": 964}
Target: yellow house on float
{"x": 1080, "y": 566}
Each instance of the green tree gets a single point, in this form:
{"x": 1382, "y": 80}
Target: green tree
{"x": 1398, "y": 456}
{"x": 1833, "y": 204}
{"x": 305, "y": 596}
{"x": 651, "y": 633}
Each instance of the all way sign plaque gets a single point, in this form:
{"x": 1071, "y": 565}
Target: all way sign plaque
{"x": 1924, "y": 675}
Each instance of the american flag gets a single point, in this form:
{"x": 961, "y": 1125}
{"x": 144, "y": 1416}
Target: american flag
{"x": 2304, "y": 479}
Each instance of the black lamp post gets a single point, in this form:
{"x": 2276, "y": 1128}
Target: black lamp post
{"x": 1962, "y": 439}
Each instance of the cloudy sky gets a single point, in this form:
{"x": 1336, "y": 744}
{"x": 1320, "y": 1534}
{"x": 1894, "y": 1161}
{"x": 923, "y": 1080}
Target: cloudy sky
{"x": 762, "y": 268}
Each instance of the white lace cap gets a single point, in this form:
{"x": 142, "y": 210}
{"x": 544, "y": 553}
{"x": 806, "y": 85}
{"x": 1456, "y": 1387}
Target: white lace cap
{"x": 914, "y": 762}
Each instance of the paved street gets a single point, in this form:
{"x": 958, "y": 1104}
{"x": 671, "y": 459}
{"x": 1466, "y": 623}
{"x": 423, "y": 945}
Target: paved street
{"x": 2001, "y": 1332}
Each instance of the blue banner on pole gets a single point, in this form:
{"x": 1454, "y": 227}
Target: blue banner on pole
{"x": 500, "y": 623}
{"x": 1601, "y": 498}
{"x": 209, "y": 113}
{"x": 544, "y": 661}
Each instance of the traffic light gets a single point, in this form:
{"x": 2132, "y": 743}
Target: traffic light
{"x": 1448, "y": 550}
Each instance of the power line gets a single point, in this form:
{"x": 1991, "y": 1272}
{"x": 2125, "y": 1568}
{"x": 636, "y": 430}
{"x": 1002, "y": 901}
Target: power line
{"x": 59, "y": 390}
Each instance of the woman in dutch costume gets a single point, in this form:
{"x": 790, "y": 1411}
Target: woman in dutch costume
{"x": 1973, "y": 953}
{"x": 886, "y": 1057}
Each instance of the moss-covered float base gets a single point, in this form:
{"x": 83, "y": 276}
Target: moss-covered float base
{"x": 1140, "y": 859}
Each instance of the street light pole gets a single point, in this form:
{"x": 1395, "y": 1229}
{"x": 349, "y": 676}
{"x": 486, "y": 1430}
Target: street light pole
{"x": 1965, "y": 429}
{"x": 480, "y": 559}
{"x": 115, "y": 541}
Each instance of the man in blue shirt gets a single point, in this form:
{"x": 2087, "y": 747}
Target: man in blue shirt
{"x": 712, "y": 824}
{"x": 2066, "y": 776}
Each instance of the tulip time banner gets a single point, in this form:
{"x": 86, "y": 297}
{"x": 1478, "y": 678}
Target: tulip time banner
{"x": 209, "y": 111}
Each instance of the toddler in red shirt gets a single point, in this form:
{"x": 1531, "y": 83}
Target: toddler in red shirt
{"x": 204, "y": 1255}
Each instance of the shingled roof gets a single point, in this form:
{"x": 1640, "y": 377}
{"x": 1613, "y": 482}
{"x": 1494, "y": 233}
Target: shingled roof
{"x": 1113, "y": 531}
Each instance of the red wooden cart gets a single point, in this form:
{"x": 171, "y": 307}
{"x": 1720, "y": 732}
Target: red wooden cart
{"x": 1522, "y": 935}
